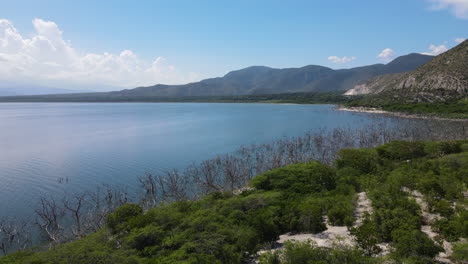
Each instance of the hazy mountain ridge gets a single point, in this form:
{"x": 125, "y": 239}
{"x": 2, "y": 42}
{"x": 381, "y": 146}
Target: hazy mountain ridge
{"x": 444, "y": 77}
{"x": 14, "y": 90}
{"x": 265, "y": 80}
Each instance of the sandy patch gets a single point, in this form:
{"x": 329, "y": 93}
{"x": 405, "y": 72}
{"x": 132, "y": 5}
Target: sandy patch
{"x": 334, "y": 234}
{"x": 429, "y": 219}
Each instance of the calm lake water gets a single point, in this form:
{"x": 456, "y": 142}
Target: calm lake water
{"x": 91, "y": 144}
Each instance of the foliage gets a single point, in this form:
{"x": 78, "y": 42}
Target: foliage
{"x": 460, "y": 252}
{"x": 223, "y": 227}
{"x": 307, "y": 253}
{"x": 118, "y": 220}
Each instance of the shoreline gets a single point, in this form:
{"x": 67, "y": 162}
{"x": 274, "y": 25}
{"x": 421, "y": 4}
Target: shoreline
{"x": 397, "y": 114}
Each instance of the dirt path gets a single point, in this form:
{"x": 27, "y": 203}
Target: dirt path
{"x": 429, "y": 219}
{"x": 363, "y": 206}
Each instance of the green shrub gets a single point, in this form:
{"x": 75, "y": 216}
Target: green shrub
{"x": 339, "y": 212}
{"x": 364, "y": 160}
{"x": 308, "y": 253}
{"x": 310, "y": 217}
{"x": 116, "y": 220}
{"x": 438, "y": 149}
{"x": 410, "y": 242}
{"x": 297, "y": 179}
{"x": 367, "y": 237}
{"x": 460, "y": 252}
{"x": 402, "y": 150}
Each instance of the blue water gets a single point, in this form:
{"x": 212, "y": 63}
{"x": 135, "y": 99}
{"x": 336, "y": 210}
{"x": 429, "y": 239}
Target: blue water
{"x": 94, "y": 143}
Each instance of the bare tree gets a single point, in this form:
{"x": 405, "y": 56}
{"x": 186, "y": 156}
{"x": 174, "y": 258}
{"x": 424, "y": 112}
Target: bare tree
{"x": 149, "y": 185}
{"x": 75, "y": 206}
{"x": 14, "y": 235}
{"x": 49, "y": 215}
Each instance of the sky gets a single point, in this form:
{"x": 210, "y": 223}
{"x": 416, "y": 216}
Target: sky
{"x": 108, "y": 45}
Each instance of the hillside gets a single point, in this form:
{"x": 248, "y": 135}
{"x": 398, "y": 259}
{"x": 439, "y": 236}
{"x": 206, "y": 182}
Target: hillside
{"x": 443, "y": 78}
{"x": 403, "y": 180}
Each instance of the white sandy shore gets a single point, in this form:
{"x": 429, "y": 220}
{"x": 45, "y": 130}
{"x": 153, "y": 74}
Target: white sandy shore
{"x": 398, "y": 114}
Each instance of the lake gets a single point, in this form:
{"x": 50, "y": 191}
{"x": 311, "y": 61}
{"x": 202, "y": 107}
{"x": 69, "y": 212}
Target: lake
{"x": 88, "y": 144}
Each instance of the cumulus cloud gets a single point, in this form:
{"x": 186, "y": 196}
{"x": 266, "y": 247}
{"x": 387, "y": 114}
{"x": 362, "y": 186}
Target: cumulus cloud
{"x": 338, "y": 60}
{"x": 459, "y": 40}
{"x": 458, "y": 7}
{"x": 46, "y": 57}
{"x": 436, "y": 50}
{"x": 386, "y": 55}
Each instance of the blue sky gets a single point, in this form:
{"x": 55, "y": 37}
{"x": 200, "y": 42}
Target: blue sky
{"x": 179, "y": 41}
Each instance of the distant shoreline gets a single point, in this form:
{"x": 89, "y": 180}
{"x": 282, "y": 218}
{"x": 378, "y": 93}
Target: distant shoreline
{"x": 397, "y": 114}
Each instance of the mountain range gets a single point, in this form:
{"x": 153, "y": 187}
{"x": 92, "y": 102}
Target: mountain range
{"x": 265, "y": 80}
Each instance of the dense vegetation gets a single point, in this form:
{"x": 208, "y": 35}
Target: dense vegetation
{"x": 297, "y": 98}
{"x": 449, "y": 108}
{"x": 223, "y": 227}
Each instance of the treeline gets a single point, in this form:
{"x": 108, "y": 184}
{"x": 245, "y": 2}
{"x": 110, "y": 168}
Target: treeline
{"x": 60, "y": 220}
{"x": 297, "y": 98}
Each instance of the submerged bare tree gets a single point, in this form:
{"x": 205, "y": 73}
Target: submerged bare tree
{"x": 49, "y": 216}
{"x": 75, "y": 207}
{"x": 14, "y": 235}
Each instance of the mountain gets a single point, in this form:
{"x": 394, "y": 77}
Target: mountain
{"x": 265, "y": 80}
{"x": 443, "y": 78}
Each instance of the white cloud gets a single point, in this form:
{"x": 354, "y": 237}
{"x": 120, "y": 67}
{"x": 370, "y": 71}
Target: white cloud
{"x": 386, "y": 55}
{"x": 336, "y": 59}
{"x": 436, "y": 50}
{"x": 459, "y": 40}
{"x": 46, "y": 58}
{"x": 458, "y": 7}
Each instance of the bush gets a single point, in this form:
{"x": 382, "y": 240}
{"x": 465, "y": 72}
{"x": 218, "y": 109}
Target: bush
{"x": 460, "y": 252}
{"x": 339, "y": 212}
{"x": 410, "y": 242}
{"x": 367, "y": 237}
{"x": 297, "y": 179}
{"x": 438, "y": 149}
{"x": 116, "y": 221}
{"x": 450, "y": 229}
{"x": 364, "y": 160}
{"x": 402, "y": 150}
{"x": 308, "y": 253}
{"x": 144, "y": 237}
{"x": 310, "y": 217}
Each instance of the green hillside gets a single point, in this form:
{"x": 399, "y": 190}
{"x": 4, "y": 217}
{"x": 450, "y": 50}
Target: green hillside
{"x": 230, "y": 228}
